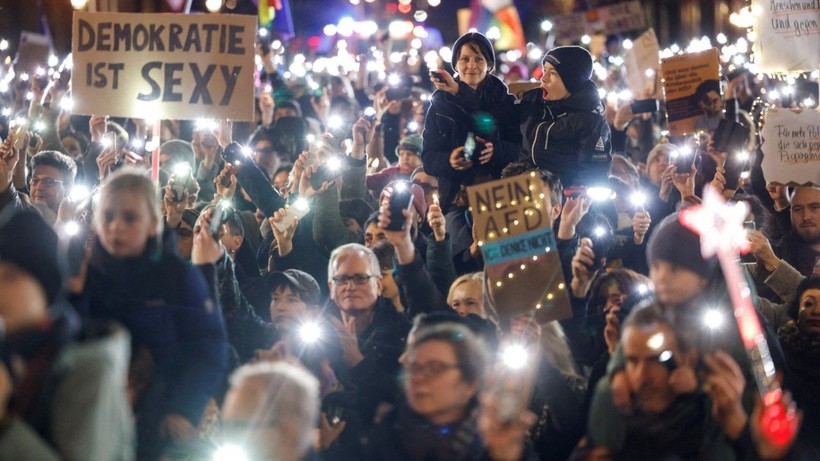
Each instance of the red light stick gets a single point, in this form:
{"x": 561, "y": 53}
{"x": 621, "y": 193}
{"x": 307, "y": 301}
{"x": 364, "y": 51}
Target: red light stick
{"x": 721, "y": 231}
{"x": 156, "y": 132}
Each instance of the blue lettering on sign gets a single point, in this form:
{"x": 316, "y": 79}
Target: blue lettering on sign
{"x": 532, "y": 243}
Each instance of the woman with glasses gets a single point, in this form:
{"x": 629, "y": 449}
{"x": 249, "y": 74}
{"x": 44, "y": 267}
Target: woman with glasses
{"x": 445, "y": 367}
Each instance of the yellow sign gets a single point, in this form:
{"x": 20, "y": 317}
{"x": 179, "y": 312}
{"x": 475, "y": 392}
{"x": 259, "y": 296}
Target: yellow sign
{"x": 681, "y": 76}
{"x": 163, "y": 65}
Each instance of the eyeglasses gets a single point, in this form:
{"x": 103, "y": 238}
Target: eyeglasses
{"x": 427, "y": 370}
{"x": 358, "y": 279}
{"x": 47, "y": 182}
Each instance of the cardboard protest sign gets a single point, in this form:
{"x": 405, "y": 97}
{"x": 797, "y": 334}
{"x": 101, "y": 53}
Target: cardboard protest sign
{"x": 163, "y": 65}
{"x": 32, "y": 53}
{"x": 569, "y": 27}
{"x": 514, "y": 229}
{"x": 642, "y": 64}
{"x": 681, "y": 76}
{"x": 791, "y": 147}
{"x": 610, "y": 19}
{"x": 788, "y": 35}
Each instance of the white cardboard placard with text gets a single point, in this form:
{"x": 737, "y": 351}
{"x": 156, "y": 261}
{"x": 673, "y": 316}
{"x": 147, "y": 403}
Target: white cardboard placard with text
{"x": 791, "y": 147}
{"x": 788, "y": 35}
{"x": 170, "y": 66}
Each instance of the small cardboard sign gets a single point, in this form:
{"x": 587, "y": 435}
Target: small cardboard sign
{"x": 681, "y": 76}
{"x": 788, "y": 35}
{"x": 611, "y": 19}
{"x": 642, "y": 64}
{"x": 512, "y": 222}
{"x": 32, "y": 53}
{"x": 791, "y": 147}
{"x": 170, "y": 66}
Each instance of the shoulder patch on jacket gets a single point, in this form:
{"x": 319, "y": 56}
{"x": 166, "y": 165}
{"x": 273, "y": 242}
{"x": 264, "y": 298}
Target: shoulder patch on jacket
{"x": 600, "y": 144}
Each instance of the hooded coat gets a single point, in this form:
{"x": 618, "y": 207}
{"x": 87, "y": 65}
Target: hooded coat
{"x": 569, "y": 137}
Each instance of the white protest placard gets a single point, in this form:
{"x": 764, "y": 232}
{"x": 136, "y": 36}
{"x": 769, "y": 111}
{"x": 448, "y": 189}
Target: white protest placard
{"x": 788, "y": 35}
{"x": 610, "y": 19}
{"x": 642, "y": 63}
{"x": 569, "y": 27}
{"x": 620, "y": 17}
{"x": 791, "y": 147}
{"x": 170, "y": 66}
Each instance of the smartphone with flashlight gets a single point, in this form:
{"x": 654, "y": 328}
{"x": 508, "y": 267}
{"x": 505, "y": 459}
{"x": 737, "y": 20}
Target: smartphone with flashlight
{"x": 684, "y": 160}
{"x": 748, "y": 258}
{"x": 218, "y": 217}
{"x": 182, "y": 181}
{"x": 734, "y": 165}
{"x": 401, "y": 90}
{"x": 730, "y": 136}
{"x": 436, "y": 75}
{"x": 401, "y": 198}
{"x": 16, "y": 131}
{"x": 644, "y": 106}
{"x": 297, "y": 210}
{"x": 469, "y": 146}
{"x": 602, "y": 240}
{"x": 327, "y": 171}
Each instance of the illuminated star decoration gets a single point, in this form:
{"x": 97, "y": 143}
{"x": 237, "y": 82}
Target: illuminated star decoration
{"x": 720, "y": 226}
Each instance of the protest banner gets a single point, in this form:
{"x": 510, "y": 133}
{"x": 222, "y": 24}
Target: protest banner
{"x": 681, "y": 76}
{"x": 642, "y": 63}
{"x": 791, "y": 147}
{"x": 788, "y": 35}
{"x": 163, "y": 65}
{"x": 512, "y": 222}
{"x": 611, "y": 19}
{"x": 32, "y": 53}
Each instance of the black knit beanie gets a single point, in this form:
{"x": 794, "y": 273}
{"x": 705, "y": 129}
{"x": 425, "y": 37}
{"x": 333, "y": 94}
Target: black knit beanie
{"x": 483, "y": 43}
{"x": 674, "y": 243}
{"x": 573, "y": 64}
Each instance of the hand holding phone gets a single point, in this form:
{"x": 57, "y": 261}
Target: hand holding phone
{"x": 644, "y": 106}
{"x": 401, "y": 198}
{"x": 437, "y": 76}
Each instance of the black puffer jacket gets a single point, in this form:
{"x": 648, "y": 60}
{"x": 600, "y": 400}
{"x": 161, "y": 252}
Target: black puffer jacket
{"x": 569, "y": 137}
{"x": 448, "y": 121}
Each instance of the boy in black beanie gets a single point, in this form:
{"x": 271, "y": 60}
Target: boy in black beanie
{"x": 563, "y": 120}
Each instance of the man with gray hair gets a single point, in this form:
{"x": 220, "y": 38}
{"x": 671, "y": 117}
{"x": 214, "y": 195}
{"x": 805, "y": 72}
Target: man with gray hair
{"x": 372, "y": 332}
{"x": 270, "y": 412}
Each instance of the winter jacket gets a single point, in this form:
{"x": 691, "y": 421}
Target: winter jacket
{"x": 246, "y": 331}
{"x": 375, "y": 378}
{"x": 569, "y": 138}
{"x": 449, "y": 120}
{"x": 404, "y": 435}
{"x": 166, "y": 306}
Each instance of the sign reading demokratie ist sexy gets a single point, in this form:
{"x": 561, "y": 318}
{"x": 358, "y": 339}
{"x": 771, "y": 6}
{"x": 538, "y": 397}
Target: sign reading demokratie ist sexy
{"x": 155, "y": 66}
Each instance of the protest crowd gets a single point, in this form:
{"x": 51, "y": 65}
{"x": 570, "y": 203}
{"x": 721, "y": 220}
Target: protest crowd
{"x": 315, "y": 284}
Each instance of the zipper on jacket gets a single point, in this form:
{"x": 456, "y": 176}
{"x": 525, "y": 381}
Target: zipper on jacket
{"x": 534, "y": 139}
